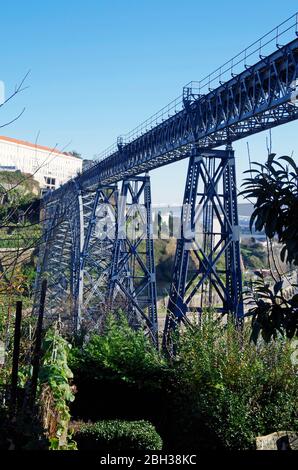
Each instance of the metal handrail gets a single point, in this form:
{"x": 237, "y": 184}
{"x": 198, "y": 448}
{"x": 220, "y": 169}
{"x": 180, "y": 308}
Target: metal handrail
{"x": 259, "y": 48}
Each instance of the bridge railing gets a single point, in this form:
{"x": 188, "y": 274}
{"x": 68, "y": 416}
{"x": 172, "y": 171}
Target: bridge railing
{"x": 284, "y": 32}
{"x": 106, "y": 153}
{"x": 167, "y": 111}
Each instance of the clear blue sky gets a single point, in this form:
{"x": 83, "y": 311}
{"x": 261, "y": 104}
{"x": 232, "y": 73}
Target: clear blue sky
{"x": 100, "y": 67}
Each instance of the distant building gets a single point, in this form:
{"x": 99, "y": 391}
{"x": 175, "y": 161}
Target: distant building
{"x": 49, "y": 167}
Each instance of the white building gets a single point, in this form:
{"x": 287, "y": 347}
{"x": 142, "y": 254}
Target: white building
{"x": 49, "y": 167}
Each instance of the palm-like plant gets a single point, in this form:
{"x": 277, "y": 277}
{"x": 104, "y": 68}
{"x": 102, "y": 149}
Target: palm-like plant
{"x": 274, "y": 186}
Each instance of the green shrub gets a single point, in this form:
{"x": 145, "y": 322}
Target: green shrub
{"x": 118, "y": 436}
{"x": 55, "y": 392}
{"x": 122, "y": 351}
{"x": 121, "y": 362}
{"x": 220, "y": 391}
{"x": 238, "y": 389}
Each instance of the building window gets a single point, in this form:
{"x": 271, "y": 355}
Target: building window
{"x": 50, "y": 183}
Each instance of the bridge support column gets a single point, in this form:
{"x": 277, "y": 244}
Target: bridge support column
{"x": 49, "y": 217}
{"x": 76, "y": 254}
{"x": 94, "y": 238}
{"x": 133, "y": 283}
{"x": 207, "y": 272}
{"x": 55, "y": 264}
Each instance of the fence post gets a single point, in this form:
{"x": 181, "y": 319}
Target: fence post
{"x": 37, "y": 346}
{"x": 15, "y": 358}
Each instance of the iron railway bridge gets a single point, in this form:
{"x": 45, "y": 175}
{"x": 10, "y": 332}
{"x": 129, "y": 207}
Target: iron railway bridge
{"x": 89, "y": 259}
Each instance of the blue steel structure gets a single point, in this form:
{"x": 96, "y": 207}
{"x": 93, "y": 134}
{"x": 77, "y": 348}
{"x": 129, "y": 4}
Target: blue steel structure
{"x": 234, "y": 102}
{"x": 208, "y": 202}
{"x": 132, "y": 275}
{"x": 95, "y": 255}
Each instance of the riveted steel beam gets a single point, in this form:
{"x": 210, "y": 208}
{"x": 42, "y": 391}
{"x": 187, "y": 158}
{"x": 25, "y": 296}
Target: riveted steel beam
{"x": 207, "y": 270}
{"x": 259, "y": 98}
{"x": 133, "y": 282}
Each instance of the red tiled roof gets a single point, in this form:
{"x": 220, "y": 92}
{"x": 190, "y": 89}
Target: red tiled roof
{"x": 28, "y": 144}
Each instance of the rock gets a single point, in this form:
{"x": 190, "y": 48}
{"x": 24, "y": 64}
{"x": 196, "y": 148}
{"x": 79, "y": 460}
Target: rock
{"x": 280, "y": 440}
{"x": 293, "y": 441}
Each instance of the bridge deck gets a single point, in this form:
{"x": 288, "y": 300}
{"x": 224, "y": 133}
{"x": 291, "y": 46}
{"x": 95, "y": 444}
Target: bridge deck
{"x": 259, "y": 98}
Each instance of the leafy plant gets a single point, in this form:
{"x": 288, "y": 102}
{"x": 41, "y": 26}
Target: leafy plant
{"x": 122, "y": 350}
{"x": 237, "y": 389}
{"x": 272, "y": 314}
{"x": 275, "y": 187}
{"x": 220, "y": 391}
{"x": 55, "y": 390}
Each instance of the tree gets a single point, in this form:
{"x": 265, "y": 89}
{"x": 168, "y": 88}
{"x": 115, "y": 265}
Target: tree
{"x": 275, "y": 188}
{"x": 74, "y": 153}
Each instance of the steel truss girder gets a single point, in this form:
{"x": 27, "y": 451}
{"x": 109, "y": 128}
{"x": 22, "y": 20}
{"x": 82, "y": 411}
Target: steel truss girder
{"x": 75, "y": 255}
{"x": 255, "y": 100}
{"x": 97, "y": 238}
{"x": 133, "y": 271}
{"x": 210, "y": 196}
{"x": 55, "y": 262}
